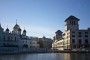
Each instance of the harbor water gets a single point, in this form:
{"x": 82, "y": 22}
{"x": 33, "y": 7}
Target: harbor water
{"x": 47, "y": 56}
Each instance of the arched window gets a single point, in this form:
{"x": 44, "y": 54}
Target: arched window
{"x": 15, "y": 38}
{"x": 74, "y": 22}
{"x": 8, "y": 37}
{"x": 70, "y": 22}
{"x": 4, "y": 38}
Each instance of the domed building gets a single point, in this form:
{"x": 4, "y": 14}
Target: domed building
{"x": 7, "y": 30}
{"x": 15, "y": 39}
{"x": 16, "y": 29}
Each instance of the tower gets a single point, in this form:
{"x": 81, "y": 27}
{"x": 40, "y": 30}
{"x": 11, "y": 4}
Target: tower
{"x": 58, "y": 34}
{"x": 7, "y": 30}
{"x": 16, "y": 29}
{"x": 71, "y": 23}
{"x": 24, "y": 32}
{"x": 19, "y": 31}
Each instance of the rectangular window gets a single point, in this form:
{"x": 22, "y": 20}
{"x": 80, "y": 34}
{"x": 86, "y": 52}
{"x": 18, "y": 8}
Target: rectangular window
{"x": 73, "y": 35}
{"x": 11, "y": 38}
{"x": 73, "y": 40}
{"x": 86, "y": 32}
{"x": 4, "y": 38}
{"x": 79, "y": 33}
{"x": 15, "y": 38}
{"x": 86, "y": 35}
{"x": 8, "y": 37}
{"x": 79, "y": 41}
{"x": 86, "y": 41}
{"x": 73, "y": 32}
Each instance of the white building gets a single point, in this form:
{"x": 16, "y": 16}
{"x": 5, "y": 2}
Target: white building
{"x": 73, "y": 37}
{"x": 16, "y": 38}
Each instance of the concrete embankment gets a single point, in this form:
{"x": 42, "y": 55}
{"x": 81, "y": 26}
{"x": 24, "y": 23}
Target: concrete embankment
{"x": 50, "y": 51}
{"x": 58, "y": 51}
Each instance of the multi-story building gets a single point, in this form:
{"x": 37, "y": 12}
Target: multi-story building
{"x": 73, "y": 37}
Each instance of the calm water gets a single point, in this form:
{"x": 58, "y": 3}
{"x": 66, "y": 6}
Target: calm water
{"x": 46, "y": 56}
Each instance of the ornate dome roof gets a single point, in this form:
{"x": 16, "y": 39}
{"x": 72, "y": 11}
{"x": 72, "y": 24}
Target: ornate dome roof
{"x": 19, "y": 29}
{"x": 16, "y": 26}
{"x": 24, "y": 30}
{"x": 7, "y": 29}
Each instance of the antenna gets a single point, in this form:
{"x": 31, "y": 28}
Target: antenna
{"x": 16, "y": 21}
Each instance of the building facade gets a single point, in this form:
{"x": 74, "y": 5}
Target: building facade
{"x": 73, "y": 37}
{"x": 16, "y": 38}
{"x": 45, "y": 42}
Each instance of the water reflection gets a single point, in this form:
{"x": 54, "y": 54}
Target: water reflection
{"x": 47, "y": 56}
{"x": 77, "y": 56}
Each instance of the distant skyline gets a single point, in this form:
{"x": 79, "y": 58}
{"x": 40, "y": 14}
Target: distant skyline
{"x": 43, "y": 17}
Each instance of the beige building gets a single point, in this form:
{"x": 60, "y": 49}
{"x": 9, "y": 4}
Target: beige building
{"x": 73, "y": 37}
{"x": 58, "y": 44}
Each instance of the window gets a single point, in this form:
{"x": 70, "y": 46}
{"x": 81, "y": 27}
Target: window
{"x": 73, "y": 40}
{"x": 86, "y": 32}
{"x": 74, "y": 22}
{"x": 4, "y": 38}
{"x": 86, "y": 35}
{"x": 8, "y": 38}
{"x": 86, "y": 41}
{"x": 73, "y": 32}
{"x": 79, "y": 33}
{"x": 30, "y": 42}
{"x": 70, "y": 22}
{"x": 79, "y": 41}
{"x": 73, "y": 35}
{"x": 15, "y": 38}
{"x": 11, "y": 38}
{"x": 67, "y": 41}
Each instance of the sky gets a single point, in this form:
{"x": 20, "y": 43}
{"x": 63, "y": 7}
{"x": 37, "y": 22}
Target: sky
{"x": 43, "y": 17}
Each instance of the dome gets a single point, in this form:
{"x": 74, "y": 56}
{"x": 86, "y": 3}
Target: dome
{"x": 24, "y": 30}
{"x": 16, "y": 26}
{"x": 19, "y": 29}
{"x": 7, "y": 29}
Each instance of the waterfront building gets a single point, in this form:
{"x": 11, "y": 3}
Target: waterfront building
{"x": 73, "y": 37}
{"x": 16, "y": 39}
